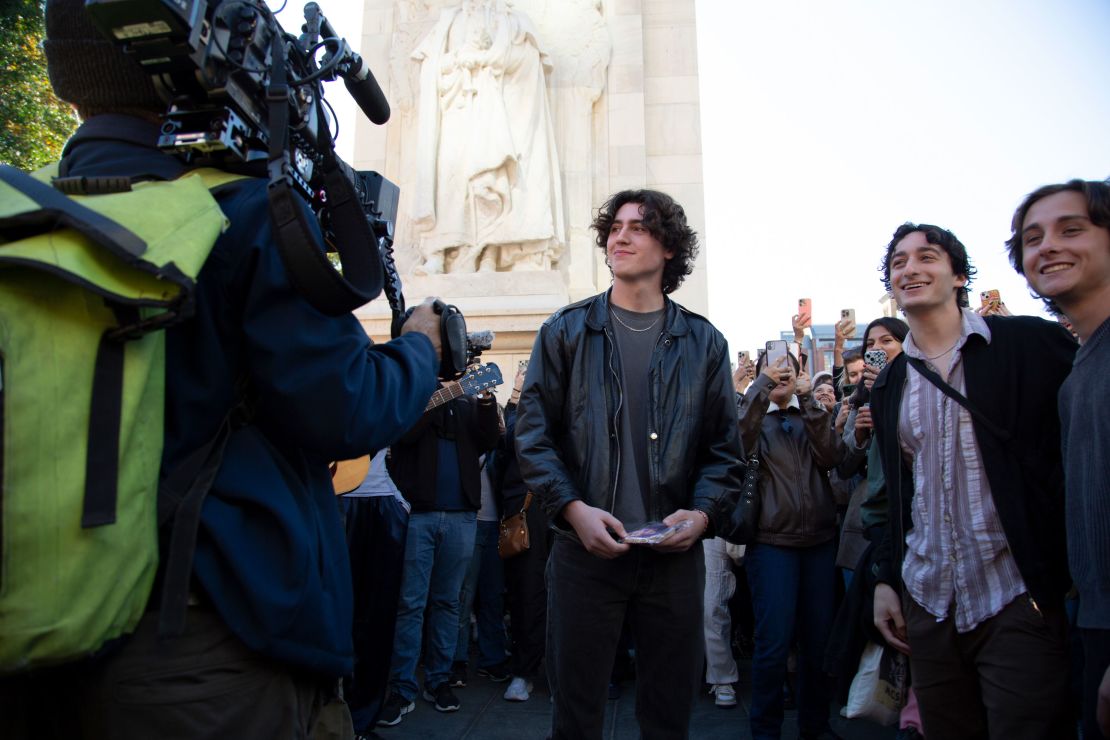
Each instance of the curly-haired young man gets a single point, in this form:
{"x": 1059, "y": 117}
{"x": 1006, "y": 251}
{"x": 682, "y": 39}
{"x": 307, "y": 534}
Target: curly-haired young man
{"x": 1060, "y": 241}
{"x": 971, "y": 569}
{"x": 627, "y": 416}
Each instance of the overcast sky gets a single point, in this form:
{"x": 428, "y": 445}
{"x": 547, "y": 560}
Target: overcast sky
{"x": 825, "y": 125}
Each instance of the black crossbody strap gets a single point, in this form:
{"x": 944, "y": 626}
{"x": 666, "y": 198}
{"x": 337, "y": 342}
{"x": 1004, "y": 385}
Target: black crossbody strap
{"x": 958, "y": 397}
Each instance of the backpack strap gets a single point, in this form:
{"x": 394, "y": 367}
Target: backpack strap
{"x": 958, "y": 397}
{"x": 105, "y": 417}
{"x": 180, "y": 499}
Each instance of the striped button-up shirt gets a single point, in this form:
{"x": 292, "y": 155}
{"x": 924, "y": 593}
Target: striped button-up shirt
{"x": 956, "y": 554}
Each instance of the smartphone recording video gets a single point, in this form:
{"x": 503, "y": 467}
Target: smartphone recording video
{"x": 990, "y": 298}
{"x": 875, "y": 358}
{"x": 776, "y": 350}
{"x": 805, "y": 312}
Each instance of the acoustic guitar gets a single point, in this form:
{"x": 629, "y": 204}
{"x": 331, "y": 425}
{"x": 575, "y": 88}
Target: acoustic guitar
{"x": 347, "y": 475}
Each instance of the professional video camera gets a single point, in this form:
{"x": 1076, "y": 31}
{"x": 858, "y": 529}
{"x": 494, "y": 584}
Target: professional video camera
{"x": 244, "y": 95}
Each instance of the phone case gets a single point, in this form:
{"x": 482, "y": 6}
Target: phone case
{"x": 654, "y": 533}
{"x": 875, "y": 358}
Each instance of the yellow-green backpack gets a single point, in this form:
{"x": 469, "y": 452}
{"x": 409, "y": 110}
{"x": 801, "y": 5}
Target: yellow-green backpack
{"x": 87, "y": 283}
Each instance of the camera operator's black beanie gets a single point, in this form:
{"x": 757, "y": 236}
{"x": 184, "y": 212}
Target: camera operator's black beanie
{"x": 87, "y": 69}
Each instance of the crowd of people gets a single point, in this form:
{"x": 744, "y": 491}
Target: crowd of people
{"x": 942, "y": 492}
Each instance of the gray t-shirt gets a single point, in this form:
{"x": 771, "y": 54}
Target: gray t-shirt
{"x": 636, "y": 338}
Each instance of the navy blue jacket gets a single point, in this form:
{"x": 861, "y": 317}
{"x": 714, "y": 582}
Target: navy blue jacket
{"x": 271, "y": 555}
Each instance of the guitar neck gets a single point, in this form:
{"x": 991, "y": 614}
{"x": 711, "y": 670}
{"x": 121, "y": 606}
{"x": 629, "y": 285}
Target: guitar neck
{"x": 449, "y": 392}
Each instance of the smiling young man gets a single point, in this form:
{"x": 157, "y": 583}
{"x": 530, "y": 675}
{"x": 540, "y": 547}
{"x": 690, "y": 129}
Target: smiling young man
{"x": 972, "y": 568}
{"x": 627, "y": 416}
{"x": 1060, "y": 241}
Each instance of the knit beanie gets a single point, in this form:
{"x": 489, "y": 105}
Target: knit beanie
{"x": 87, "y": 69}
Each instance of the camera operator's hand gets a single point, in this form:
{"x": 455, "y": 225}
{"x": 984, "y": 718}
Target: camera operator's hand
{"x": 425, "y": 320}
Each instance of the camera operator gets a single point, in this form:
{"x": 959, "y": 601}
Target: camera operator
{"x": 268, "y": 628}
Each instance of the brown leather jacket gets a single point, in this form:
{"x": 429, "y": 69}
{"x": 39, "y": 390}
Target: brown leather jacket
{"x": 796, "y": 449}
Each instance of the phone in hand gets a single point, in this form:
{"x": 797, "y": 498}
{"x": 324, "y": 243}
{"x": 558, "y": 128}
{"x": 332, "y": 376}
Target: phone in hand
{"x": 876, "y": 358}
{"x": 776, "y": 350}
{"x": 990, "y": 298}
{"x": 848, "y": 318}
{"x": 742, "y": 358}
{"x": 523, "y": 366}
{"x": 805, "y": 312}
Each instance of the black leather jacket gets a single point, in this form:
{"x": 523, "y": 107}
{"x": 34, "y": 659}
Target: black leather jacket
{"x": 567, "y": 436}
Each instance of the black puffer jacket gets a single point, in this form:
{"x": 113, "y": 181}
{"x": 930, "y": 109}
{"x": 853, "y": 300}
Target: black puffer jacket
{"x": 567, "y": 436}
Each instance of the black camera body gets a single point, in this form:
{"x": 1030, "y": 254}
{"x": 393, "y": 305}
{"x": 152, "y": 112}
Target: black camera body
{"x": 242, "y": 94}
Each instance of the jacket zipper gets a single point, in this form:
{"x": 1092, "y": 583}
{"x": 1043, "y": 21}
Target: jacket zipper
{"x": 615, "y": 424}
{"x": 653, "y": 407}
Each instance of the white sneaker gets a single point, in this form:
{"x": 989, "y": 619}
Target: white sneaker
{"x": 726, "y": 695}
{"x": 520, "y": 689}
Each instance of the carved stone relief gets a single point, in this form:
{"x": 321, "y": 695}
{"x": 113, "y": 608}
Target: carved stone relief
{"x": 495, "y": 101}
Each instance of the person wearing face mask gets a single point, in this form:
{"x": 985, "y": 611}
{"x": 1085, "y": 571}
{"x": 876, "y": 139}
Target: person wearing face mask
{"x": 793, "y": 555}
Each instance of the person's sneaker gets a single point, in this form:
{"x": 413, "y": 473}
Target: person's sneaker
{"x": 457, "y": 679}
{"x": 724, "y": 693}
{"x": 396, "y": 706}
{"x": 496, "y": 673}
{"x": 443, "y": 698}
{"x": 519, "y": 689}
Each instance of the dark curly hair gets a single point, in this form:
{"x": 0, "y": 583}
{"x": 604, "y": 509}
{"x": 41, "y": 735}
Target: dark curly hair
{"x": 1098, "y": 210}
{"x": 943, "y": 238}
{"x": 665, "y": 220}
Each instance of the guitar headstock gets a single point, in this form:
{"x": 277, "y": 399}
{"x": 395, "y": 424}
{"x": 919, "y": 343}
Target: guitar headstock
{"x": 480, "y": 378}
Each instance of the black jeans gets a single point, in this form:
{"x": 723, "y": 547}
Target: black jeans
{"x": 376, "y": 529}
{"x": 527, "y": 592}
{"x": 588, "y": 598}
{"x": 1096, "y": 661}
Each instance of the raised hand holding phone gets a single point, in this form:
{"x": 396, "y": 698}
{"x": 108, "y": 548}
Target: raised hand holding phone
{"x": 874, "y": 360}
{"x": 805, "y": 312}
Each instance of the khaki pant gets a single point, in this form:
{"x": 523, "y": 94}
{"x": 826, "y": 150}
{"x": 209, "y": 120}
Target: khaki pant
{"x": 205, "y": 683}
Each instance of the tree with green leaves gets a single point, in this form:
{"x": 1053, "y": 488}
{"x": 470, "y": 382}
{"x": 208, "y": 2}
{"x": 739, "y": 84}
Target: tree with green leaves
{"x": 34, "y": 124}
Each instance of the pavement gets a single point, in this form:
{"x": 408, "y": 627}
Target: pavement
{"x": 485, "y": 715}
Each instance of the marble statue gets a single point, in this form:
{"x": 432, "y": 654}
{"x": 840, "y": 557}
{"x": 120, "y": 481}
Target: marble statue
{"x": 487, "y": 192}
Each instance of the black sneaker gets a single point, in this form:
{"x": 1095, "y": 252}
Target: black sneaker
{"x": 496, "y": 673}
{"x": 457, "y": 679}
{"x": 443, "y": 698}
{"x": 396, "y": 706}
